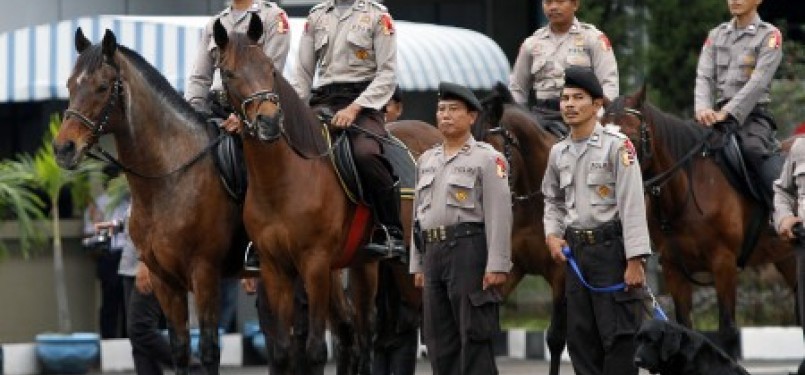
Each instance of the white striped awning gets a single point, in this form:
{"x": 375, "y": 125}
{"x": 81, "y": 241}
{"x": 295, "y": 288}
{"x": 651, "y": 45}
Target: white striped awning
{"x": 36, "y": 61}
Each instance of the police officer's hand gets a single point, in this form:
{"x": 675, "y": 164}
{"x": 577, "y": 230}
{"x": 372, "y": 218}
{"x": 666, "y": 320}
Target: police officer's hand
{"x": 555, "y": 245}
{"x": 708, "y": 117}
{"x": 419, "y": 279}
{"x": 494, "y": 279}
{"x": 249, "y": 285}
{"x": 346, "y": 116}
{"x": 786, "y": 224}
{"x": 635, "y": 275}
{"x": 143, "y": 279}
{"x": 232, "y": 124}
{"x": 111, "y": 226}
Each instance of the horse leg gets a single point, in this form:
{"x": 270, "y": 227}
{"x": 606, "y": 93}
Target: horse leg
{"x": 363, "y": 288}
{"x": 556, "y": 336}
{"x": 174, "y": 304}
{"x": 280, "y": 312}
{"x": 341, "y": 313}
{"x": 681, "y": 292}
{"x": 316, "y": 274}
{"x": 206, "y": 289}
{"x": 726, "y": 283}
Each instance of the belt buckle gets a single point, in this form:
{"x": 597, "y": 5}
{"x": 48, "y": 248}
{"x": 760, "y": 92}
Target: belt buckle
{"x": 442, "y": 233}
{"x": 590, "y": 237}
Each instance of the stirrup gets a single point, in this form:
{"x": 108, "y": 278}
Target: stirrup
{"x": 387, "y": 247}
{"x": 250, "y": 260}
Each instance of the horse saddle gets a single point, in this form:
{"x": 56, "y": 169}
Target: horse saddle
{"x": 396, "y": 152}
{"x": 735, "y": 167}
{"x": 228, "y": 157}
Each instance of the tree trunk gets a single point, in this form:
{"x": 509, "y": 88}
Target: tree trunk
{"x": 58, "y": 273}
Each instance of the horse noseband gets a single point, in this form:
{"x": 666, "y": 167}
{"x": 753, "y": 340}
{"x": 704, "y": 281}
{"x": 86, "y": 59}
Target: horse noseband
{"x": 268, "y": 128}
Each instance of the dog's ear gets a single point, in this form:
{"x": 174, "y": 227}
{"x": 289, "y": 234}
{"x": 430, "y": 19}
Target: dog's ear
{"x": 671, "y": 343}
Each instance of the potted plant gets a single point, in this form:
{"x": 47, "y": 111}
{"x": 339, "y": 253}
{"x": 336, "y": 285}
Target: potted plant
{"x": 17, "y": 201}
{"x": 64, "y": 352}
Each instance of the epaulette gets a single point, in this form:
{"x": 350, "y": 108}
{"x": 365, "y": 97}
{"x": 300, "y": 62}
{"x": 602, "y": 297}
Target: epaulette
{"x": 377, "y": 5}
{"x": 611, "y": 130}
{"x": 270, "y": 4}
{"x": 318, "y": 6}
{"x": 485, "y": 145}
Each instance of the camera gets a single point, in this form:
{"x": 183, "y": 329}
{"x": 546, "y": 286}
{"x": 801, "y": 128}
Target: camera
{"x": 99, "y": 243}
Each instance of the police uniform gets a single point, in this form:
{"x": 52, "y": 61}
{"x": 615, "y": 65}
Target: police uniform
{"x": 354, "y": 52}
{"x": 544, "y": 56}
{"x": 593, "y": 192}
{"x": 462, "y": 204}
{"x": 734, "y": 74}
{"x": 789, "y": 200}
{"x": 276, "y": 41}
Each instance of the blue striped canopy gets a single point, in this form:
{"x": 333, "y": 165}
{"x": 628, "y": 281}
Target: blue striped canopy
{"x": 36, "y": 61}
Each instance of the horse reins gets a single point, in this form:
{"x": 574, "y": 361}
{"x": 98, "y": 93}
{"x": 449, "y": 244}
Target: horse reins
{"x": 97, "y": 128}
{"x": 510, "y": 142}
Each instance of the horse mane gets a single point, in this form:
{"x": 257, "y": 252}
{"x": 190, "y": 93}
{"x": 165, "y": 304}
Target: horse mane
{"x": 501, "y": 104}
{"x": 680, "y": 136}
{"x": 93, "y": 58}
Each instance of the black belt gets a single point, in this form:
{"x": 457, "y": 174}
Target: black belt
{"x": 451, "y": 232}
{"x": 552, "y": 104}
{"x": 354, "y": 88}
{"x": 606, "y": 232}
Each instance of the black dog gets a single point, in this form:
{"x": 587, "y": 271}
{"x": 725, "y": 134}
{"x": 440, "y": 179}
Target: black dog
{"x": 670, "y": 349}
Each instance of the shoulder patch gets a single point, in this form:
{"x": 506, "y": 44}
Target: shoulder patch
{"x": 775, "y": 39}
{"x": 606, "y": 45}
{"x": 387, "y": 23}
{"x": 627, "y": 153}
{"x": 500, "y": 166}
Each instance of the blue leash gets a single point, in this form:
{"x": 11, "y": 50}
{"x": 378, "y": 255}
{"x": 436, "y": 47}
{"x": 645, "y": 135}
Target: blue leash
{"x": 658, "y": 312}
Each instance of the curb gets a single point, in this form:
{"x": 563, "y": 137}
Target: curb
{"x": 756, "y": 343}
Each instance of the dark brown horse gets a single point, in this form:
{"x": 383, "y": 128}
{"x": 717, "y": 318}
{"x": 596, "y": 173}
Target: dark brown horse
{"x": 296, "y": 210}
{"x": 182, "y": 220}
{"x": 698, "y": 221}
{"x": 515, "y": 132}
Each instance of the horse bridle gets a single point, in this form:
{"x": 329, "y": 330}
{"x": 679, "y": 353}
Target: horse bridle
{"x": 510, "y": 142}
{"x": 97, "y": 127}
{"x": 645, "y": 154}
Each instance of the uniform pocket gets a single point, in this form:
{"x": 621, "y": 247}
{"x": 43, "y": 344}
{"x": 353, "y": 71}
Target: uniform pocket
{"x": 424, "y": 191}
{"x": 321, "y": 40}
{"x": 360, "y": 43}
{"x": 602, "y": 185}
{"x": 462, "y": 190}
{"x": 483, "y": 317}
{"x": 722, "y": 63}
{"x": 632, "y": 309}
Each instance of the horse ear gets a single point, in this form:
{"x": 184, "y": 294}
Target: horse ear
{"x": 109, "y": 44}
{"x": 640, "y": 97}
{"x": 81, "y": 41}
{"x": 255, "y": 30}
{"x": 219, "y": 34}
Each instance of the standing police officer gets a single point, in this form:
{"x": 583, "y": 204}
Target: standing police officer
{"x": 736, "y": 66}
{"x": 462, "y": 253}
{"x": 562, "y": 43}
{"x": 789, "y": 190}
{"x": 594, "y": 204}
{"x": 353, "y": 45}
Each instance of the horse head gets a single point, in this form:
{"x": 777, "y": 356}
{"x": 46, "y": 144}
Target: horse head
{"x": 249, "y": 78}
{"x": 96, "y": 96}
{"x": 628, "y": 113}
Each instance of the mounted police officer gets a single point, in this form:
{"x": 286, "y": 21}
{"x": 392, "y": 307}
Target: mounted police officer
{"x": 462, "y": 250}
{"x": 736, "y": 66}
{"x": 543, "y": 57}
{"x": 594, "y": 204}
{"x": 352, "y": 44}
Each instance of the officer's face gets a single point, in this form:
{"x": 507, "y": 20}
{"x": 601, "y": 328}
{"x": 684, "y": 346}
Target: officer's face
{"x": 742, "y": 7}
{"x": 454, "y": 118}
{"x": 578, "y": 107}
{"x": 560, "y": 11}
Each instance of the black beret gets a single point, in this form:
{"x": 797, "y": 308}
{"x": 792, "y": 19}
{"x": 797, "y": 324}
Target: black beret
{"x": 583, "y": 78}
{"x": 449, "y": 90}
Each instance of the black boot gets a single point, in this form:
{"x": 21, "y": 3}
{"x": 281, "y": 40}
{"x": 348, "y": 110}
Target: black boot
{"x": 769, "y": 171}
{"x": 387, "y": 238}
{"x": 250, "y": 260}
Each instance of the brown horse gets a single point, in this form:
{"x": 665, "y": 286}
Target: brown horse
{"x": 515, "y": 132}
{"x": 182, "y": 220}
{"x": 296, "y": 210}
{"x": 697, "y": 219}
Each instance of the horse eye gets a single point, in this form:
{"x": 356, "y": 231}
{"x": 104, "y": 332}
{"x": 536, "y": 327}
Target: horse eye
{"x": 228, "y": 74}
{"x": 102, "y": 88}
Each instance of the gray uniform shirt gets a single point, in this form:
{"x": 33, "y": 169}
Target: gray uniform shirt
{"x": 276, "y": 41}
{"x": 599, "y": 183}
{"x": 544, "y": 56}
{"x": 129, "y": 257}
{"x": 357, "y": 45}
{"x": 789, "y": 189}
{"x": 736, "y": 67}
{"x": 470, "y": 186}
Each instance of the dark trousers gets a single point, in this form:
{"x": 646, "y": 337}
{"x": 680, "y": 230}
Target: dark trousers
{"x": 396, "y": 340}
{"x": 460, "y": 319}
{"x": 800, "y": 251}
{"x": 149, "y": 348}
{"x": 601, "y": 326}
{"x": 761, "y": 151}
{"x": 113, "y": 307}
